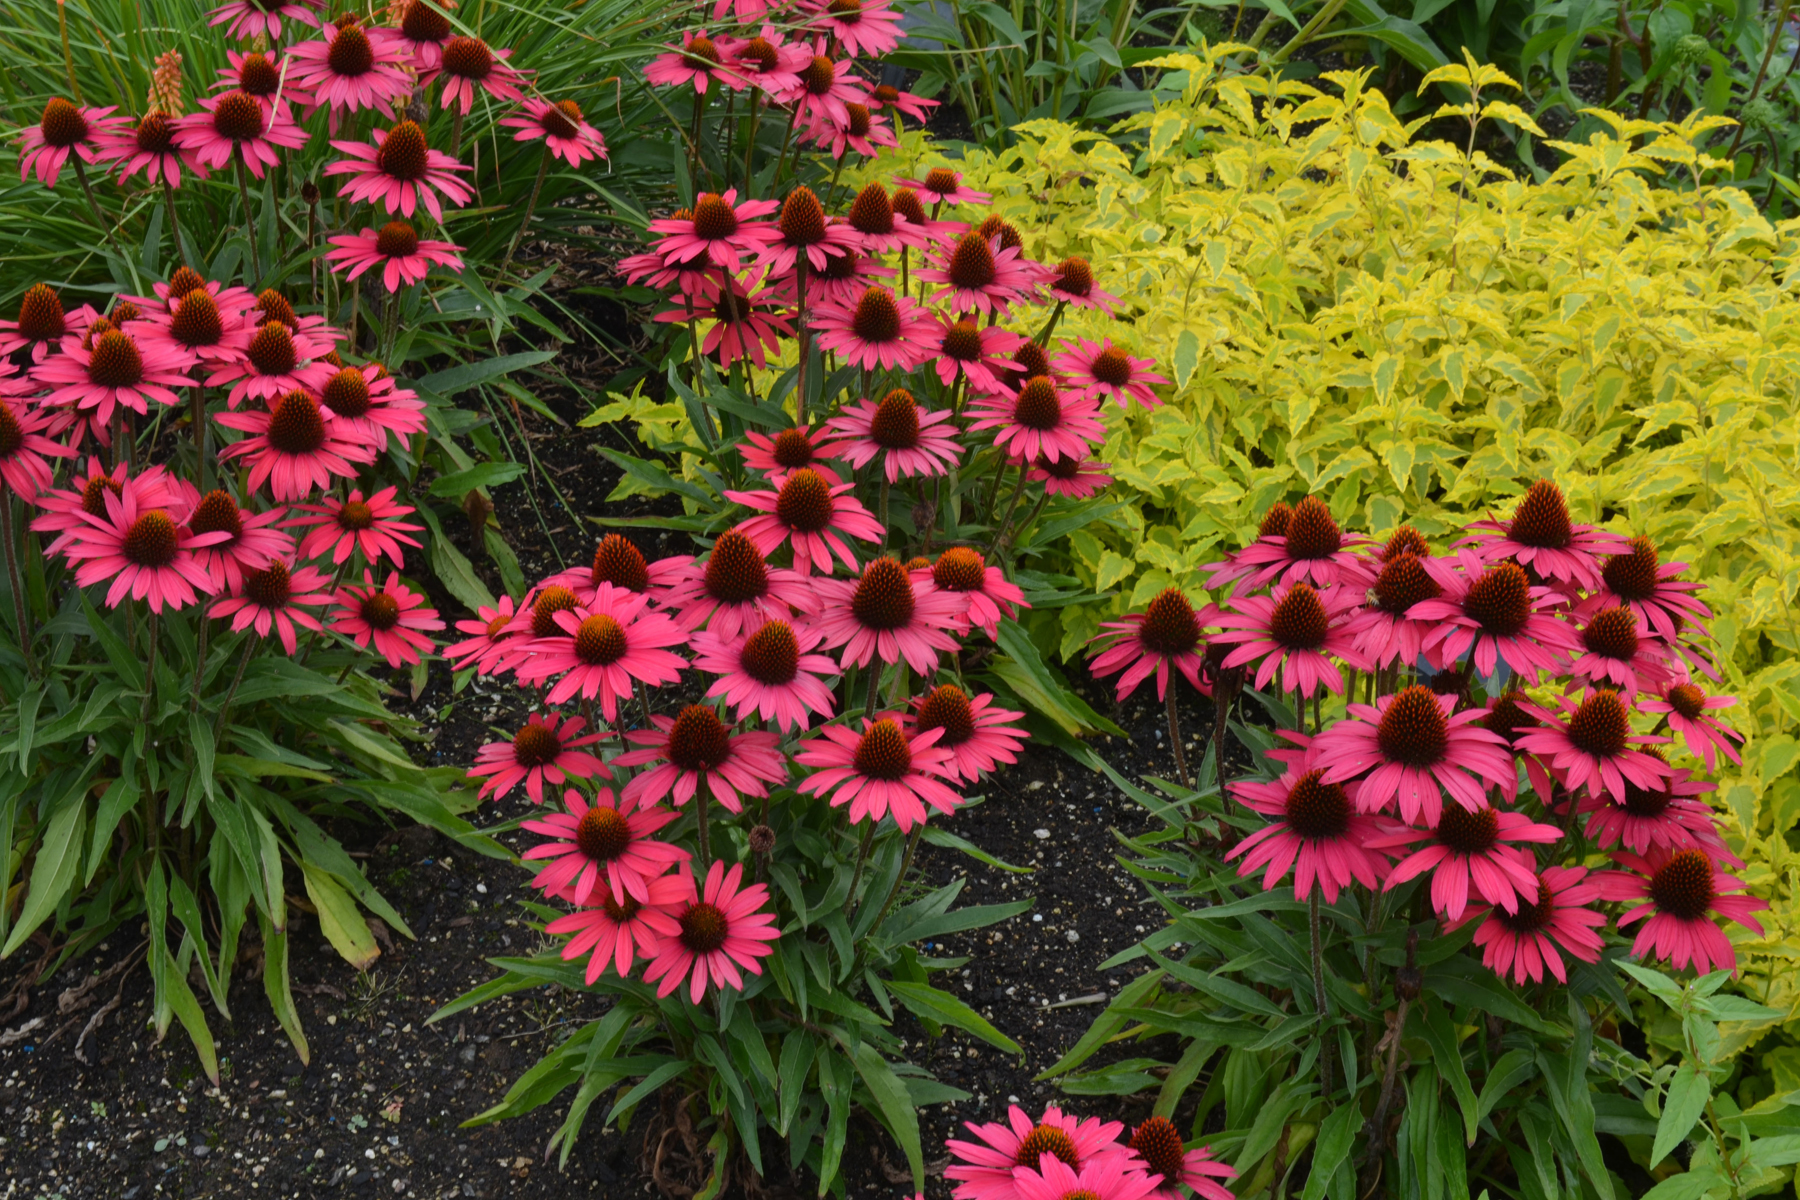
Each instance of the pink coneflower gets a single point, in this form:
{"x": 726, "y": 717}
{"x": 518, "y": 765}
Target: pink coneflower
{"x": 984, "y": 1168}
{"x": 1310, "y": 547}
{"x": 64, "y": 129}
{"x": 695, "y": 749}
{"x": 735, "y": 589}
{"x": 1533, "y": 939}
{"x": 697, "y": 280}
{"x": 721, "y": 928}
{"x": 1385, "y": 631}
{"x": 860, "y": 132}
{"x": 1682, "y": 889}
{"x": 271, "y": 599}
{"x": 621, "y": 564}
{"x": 786, "y": 452}
{"x": 115, "y": 369}
{"x": 1594, "y": 750}
{"x": 1669, "y": 814}
{"x": 1494, "y": 612}
{"x": 983, "y": 589}
{"x": 740, "y": 325}
{"x": 767, "y": 62}
{"x": 1686, "y": 705}
{"x": 911, "y": 441}
{"x": 868, "y": 27}
{"x": 490, "y": 646}
{"x": 546, "y": 749}
{"x": 146, "y": 554}
{"x": 1612, "y": 654}
{"x": 1296, "y": 629}
{"x": 822, "y": 90}
{"x": 393, "y": 617}
{"x": 1166, "y": 633}
{"x": 1103, "y": 369}
{"x": 61, "y": 510}
{"x": 1157, "y": 1144}
{"x": 1076, "y": 478}
{"x": 880, "y": 771}
{"x": 699, "y": 62}
{"x": 353, "y": 67}
{"x": 42, "y": 323}
{"x": 803, "y": 230}
{"x": 607, "y": 848}
{"x": 719, "y": 225}
{"x": 602, "y": 646}
{"x": 205, "y": 321}
{"x": 978, "y": 274}
{"x": 1039, "y": 421}
{"x": 147, "y": 146}
{"x": 402, "y": 172}
{"x": 945, "y": 186}
{"x": 368, "y": 404}
{"x": 982, "y": 354}
{"x": 1319, "y": 831}
{"x": 1541, "y": 537}
{"x": 238, "y": 124}
{"x": 769, "y": 673}
{"x": 564, "y": 130}
{"x": 252, "y": 540}
{"x": 882, "y": 617}
{"x": 1634, "y": 578}
{"x": 817, "y": 515}
{"x": 250, "y": 18}
{"x": 1413, "y": 747}
{"x": 259, "y": 74}
{"x": 397, "y": 249}
{"x": 846, "y": 278}
{"x": 295, "y": 445}
{"x": 1054, "y": 1179}
{"x": 1469, "y": 849}
{"x": 879, "y": 329}
{"x": 1073, "y": 283}
{"x": 469, "y": 64}
{"x": 618, "y": 933}
{"x": 22, "y": 449}
{"x": 976, "y": 735}
{"x": 885, "y": 97}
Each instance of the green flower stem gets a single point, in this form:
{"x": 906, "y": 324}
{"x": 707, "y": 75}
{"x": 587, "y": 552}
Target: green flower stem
{"x": 530, "y": 207}
{"x": 13, "y": 580}
{"x": 1181, "y": 768}
{"x": 1318, "y": 975}
{"x": 249, "y": 221}
{"x": 152, "y": 629}
{"x": 220, "y": 726}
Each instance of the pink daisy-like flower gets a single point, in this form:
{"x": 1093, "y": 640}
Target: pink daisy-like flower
{"x": 982, "y": 355}
{"x": 1165, "y": 634}
{"x": 238, "y": 124}
{"x": 817, "y": 515}
{"x": 883, "y": 228}
{"x": 788, "y": 451}
{"x": 251, "y": 543}
{"x": 618, "y": 933}
{"x": 1541, "y": 537}
{"x": 295, "y": 446}
{"x": 1613, "y": 654}
{"x": 910, "y": 440}
{"x": 979, "y": 274}
{"x": 114, "y": 369}
{"x": 1054, "y": 1179}
{"x": 880, "y": 771}
{"x": 878, "y": 330}
{"x": 1637, "y": 579}
{"x": 822, "y": 89}
{"x": 64, "y": 129}
{"x": 867, "y": 27}
{"x": 1686, "y": 705}
{"x": 606, "y": 848}
{"x": 368, "y": 404}
{"x": 846, "y": 278}
{"x": 393, "y": 617}
{"x": 1076, "y": 478}
{"x": 1386, "y": 632}
{"x": 722, "y": 928}
{"x": 885, "y": 97}
{"x": 272, "y": 599}
{"x": 1526, "y": 943}
{"x": 861, "y": 133}
{"x": 250, "y": 18}
{"x": 546, "y": 749}
{"x": 1310, "y": 547}
{"x": 206, "y": 322}
{"x": 565, "y": 131}
{"x": 1594, "y": 750}
{"x": 802, "y": 230}
{"x": 984, "y": 1168}
{"x": 735, "y": 589}
{"x": 945, "y": 186}
{"x": 719, "y": 225}
{"x": 61, "y": 510}
{"x": 468, "y": 64}
{"x": 489, "y": 647}
{"x": 883, "y": 618}
{"x": 397, "y": 249}
{"x": 1669, "y": 814}
{"x": 423, "y": 31}
{"x": 42, "y": 323}
{"x": 766, "y": 62}
{"x": 740, "y": 325}
{"x": 1414, "y": 747}
{"x": 22, "y": 449}
{"x": 769, "y": 673}
{"x": 987, "y": 595}
{"x": 1157, "y": 1144}
{"x": 146, "y": 554}
{"x": 695, "y": 749}
{"x": 696, "y": 280}
{"x": 402, "y": 172}
{"x": 264, "y": 75}
{"x": 1469, "y": 849}
{"x": 976, "y": 735}
{"x": 1103, "y": 369}
{"x": 1296, "y": 629}
{"x": 619, "y": 563}
{"x": 1040, "y": 421}
{"x": 699, "y": 62}
{"x": 1494, "y": 612}
{"x": 1073, "y": 283}
{"x": 353, "y": 67}
{"x": 368, "y": 524}
{"x": 602, "y": 646}
{"x": 1681, "y": 889}
{"x": 1319, "y": 830}
{"x": 147, "y": 146}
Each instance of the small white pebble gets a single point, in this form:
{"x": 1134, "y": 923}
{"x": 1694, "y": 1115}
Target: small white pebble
{"x": 482, "y": 888}
{"x": 1072, "y": 936}
{"x": 1040, "y": 834}
{"x": 1037, "y": 917}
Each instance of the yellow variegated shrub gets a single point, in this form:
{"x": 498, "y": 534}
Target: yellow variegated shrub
{"x": 1414, "y": 335}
